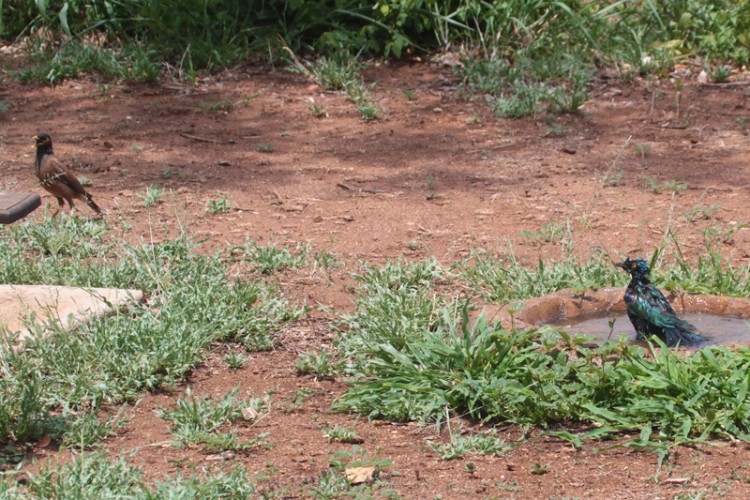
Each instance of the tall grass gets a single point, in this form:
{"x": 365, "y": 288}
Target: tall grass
{"x": 198, "y": 34}
{"x": 502, "y": 279}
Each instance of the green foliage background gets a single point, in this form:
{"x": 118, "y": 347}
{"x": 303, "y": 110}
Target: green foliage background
{"x": 218, "y": 32}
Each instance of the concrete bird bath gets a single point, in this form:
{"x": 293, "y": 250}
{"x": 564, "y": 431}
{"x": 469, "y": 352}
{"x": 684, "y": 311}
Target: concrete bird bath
{"x": 723, "y": 320}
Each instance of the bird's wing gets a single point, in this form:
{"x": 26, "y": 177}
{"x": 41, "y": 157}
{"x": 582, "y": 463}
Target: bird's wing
{"x": 54, "y": 171}
{"x": 651, "y": 305}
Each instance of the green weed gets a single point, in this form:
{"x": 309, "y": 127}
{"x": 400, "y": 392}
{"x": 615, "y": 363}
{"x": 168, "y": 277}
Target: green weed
{"x": 334, "y": 484}
{"x": 97, "y": 476}
{"x": 673, "y": 186}
{"x": 318, "y": 111}
{"x": 196, "y": 420}
{"x": 151, "y": 196}
{"x": 410, "y": 94}
{"x": 720, "y": 73}
{"x": 235, "y": 359}
{"x": 547, "y": 233}
{"x": 529, "y": 85}
{"x": 230, "y": 484}
{"x": 317, "y": 363}
{"x": 613, "y": 177}
{"x": 216, "y": 107}
{"x": 87, "y": 476}
{"x": 700, "y": 212}
{"x": 487, "y": 443}
{"x": 271, "y": 259}
{"x": 87, "y": 429}
{"x": 368, "y": 112}
{"x": 556, "y": 129}
{"x": 723, "y": 234}
{"x": 539, "y": 469}
{"x": 301, "y": 395}
{"x": 342, "y": 434}
{"x": 359, "y": 93}
{"x": 326, "y": 260}
{"x": 130, "y": 62}
{"x": 219, "y": 204}
{"x": 338, "y": 71}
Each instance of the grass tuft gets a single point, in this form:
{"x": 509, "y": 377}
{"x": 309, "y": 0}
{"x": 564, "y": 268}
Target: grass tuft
{"x": 196, "y": 420}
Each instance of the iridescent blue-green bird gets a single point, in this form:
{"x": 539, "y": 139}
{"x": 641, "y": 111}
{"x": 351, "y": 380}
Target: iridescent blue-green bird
{"x": 650, "y": 312}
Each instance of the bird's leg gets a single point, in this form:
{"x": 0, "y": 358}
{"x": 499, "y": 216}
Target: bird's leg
{"x": 60, "y": 204}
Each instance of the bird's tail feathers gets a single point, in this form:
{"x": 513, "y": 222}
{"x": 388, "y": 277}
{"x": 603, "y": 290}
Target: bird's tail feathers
{"x": 92, "y": 205}
{"x": 685, "y": 337}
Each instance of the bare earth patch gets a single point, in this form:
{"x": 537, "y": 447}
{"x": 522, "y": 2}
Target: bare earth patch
{"x": 436, "y": 176}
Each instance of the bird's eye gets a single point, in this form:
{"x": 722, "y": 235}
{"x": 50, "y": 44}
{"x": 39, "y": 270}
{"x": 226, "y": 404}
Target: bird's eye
{"x": 633, "y": 266}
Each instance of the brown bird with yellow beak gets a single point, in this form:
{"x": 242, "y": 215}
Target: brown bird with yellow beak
{"x": 56, "y": 178}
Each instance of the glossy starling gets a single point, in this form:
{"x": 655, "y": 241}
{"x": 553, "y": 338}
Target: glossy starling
{"x": 56, "y": 178}
{"x": 650, "y": 312}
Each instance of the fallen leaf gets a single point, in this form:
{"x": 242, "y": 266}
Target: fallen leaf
{"x": 249, "y": 413}
{"x": 359, "y": 475}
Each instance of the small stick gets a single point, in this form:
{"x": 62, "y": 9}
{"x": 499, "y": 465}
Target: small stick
{"x": 359, "y": 190}
{"x": 199, "y": 139}
{"x": 241, "y": 209}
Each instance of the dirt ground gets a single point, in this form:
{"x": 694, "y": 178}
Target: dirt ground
{"x": 438, "y": 175}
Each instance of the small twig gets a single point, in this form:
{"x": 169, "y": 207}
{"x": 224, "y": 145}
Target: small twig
{"x": 199, "y": 139}
{"x": 499, "y": 146}
{"x": 739, "y": 83}
{"x": 359, "y": 190}
{"x": 240, "y": 209}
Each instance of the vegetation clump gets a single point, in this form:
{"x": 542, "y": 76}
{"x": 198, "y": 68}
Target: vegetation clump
{"x": 524, "y": 57}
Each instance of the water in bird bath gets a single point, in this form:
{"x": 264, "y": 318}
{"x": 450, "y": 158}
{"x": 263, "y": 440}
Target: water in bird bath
{"x": 716, "y": 329}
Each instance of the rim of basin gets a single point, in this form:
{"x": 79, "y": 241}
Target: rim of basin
{"x": 569, "y": 304}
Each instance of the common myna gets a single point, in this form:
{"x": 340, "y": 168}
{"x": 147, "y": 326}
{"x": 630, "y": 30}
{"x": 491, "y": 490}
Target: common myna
{"x": 56, "y": 178}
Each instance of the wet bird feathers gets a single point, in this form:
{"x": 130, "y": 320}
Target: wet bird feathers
{"x": 651, "y": 314}
{"x": 649, "y": 311}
